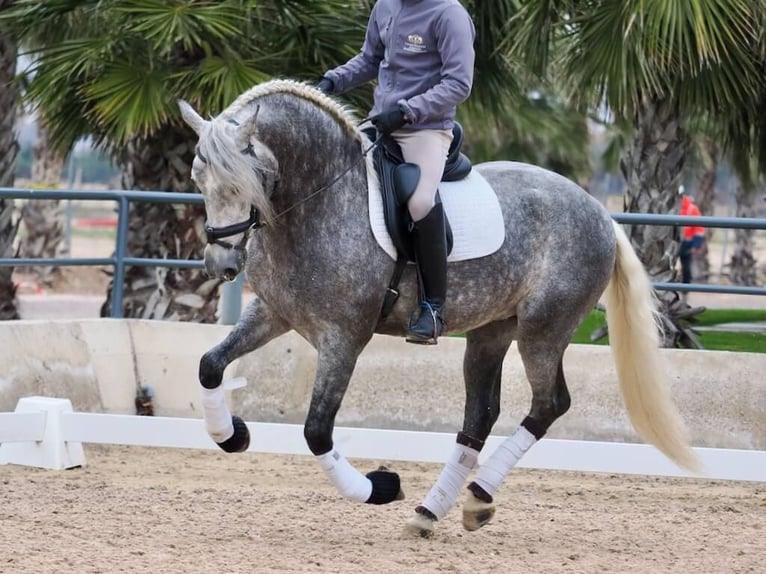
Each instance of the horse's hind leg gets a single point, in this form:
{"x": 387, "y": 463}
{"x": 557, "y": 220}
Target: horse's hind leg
{"x": 486, "y": 348}
{"x": 542, "y": 353}
{"x": 257, "y": 326}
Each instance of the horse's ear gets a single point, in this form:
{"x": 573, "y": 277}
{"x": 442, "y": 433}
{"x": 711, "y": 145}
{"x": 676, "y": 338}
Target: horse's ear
{"x": 246, "y": 130}
{"x": 191, "y": 117}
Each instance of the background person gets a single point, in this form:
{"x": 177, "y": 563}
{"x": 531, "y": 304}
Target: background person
{"x": 692, "y": 238}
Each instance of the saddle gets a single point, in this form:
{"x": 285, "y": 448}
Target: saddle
{"x": 398, "y": 180}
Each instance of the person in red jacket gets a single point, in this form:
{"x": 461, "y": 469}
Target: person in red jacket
{"x": 692, "y": 238}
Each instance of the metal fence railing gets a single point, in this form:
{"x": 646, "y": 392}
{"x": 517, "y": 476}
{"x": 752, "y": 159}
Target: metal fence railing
{"x": 703, "y": 221}
{"x": 121, "y": 259}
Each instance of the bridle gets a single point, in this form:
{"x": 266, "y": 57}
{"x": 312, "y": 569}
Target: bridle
{"x": 216, "y": 235}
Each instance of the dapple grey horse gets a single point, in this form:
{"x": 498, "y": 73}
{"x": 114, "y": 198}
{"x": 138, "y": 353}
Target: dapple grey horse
{"x": 289, "y": 160}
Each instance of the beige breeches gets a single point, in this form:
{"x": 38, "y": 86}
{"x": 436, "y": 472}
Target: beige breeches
{"x": 428, "y": 149}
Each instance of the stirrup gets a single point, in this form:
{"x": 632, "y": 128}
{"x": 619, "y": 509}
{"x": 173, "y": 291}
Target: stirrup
{"x": 437, "y": 325}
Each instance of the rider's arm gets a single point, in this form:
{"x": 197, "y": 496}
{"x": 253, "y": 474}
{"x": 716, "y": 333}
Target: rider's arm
{"x": 364, "y": 66}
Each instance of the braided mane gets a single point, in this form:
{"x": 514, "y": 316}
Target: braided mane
{"x": 343, "y": 115}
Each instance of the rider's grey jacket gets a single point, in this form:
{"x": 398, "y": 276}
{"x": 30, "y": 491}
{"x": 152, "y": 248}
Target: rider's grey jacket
{"x": 422, "y": 53}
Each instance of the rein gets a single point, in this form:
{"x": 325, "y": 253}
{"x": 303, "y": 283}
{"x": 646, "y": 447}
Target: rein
{"x": 334, "y": 181}
{"x": 217, "y": 234}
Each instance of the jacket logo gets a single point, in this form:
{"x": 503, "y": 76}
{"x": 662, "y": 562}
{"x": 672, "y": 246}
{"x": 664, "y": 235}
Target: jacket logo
{"x": 414, "y": 43}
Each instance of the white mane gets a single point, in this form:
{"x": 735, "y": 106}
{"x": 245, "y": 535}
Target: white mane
{"x": 235, "y": 171}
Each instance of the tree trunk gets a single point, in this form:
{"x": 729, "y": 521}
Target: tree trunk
{"x": 172, "y": 231}
{"x": 742, "y": 269}
{"x": 43, "y": 219}
{"x": 705, "y": 200}
{"x": 652, "y": 164}
{"x": 8, "y": 151}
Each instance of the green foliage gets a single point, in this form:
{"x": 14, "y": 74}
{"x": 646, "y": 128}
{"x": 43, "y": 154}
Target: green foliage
{"x": 703, "y": 54}
{"x": 713, "y": 340}
{"x": 721, "y": 316}
{"x": 706, "y": 59}
{"x": 740, "y": 342}
{"x": 592, "y": 321}
{"x": 114, "y": 69}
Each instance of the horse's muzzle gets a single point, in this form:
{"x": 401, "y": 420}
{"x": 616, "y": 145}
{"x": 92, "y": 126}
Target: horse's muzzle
{"x": 224, "y": 263}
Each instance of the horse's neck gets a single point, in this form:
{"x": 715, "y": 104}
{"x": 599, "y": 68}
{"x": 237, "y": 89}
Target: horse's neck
{"x": 313, "y": 152}
{"x": 310, "y": 147}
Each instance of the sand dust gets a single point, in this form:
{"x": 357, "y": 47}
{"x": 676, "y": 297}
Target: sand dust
{"x": 159, "y": 511}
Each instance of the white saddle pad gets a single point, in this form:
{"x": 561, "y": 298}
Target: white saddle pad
{"x": 471, "y": 206}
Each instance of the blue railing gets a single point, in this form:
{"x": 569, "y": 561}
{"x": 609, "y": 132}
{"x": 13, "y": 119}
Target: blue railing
{"x": 703, "y": 221}
{"x": 121, "y": 258}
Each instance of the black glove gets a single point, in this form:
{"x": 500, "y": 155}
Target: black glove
{"x": 325, "y": 85}
{"x": 389, "y": 121}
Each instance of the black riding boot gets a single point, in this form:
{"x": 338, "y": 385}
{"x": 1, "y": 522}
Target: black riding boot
{"x": 430, "y": 246}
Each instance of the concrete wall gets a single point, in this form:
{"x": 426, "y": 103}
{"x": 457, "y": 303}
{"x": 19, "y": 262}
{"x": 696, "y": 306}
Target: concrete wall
{"x": 98, "y": 364}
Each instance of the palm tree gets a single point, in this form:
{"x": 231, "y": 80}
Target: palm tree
{"x": 653, "y": 65}
{"x": 43, "y": 219}
{"x": 748, "y": 187}
{"x": 113, "y": 70}
{"x": 742, "y": 266}
{"x": 8, "y": 152}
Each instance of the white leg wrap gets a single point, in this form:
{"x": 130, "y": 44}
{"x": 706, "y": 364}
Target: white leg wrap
{"x": 492, "y": 473}
{"x": 350, "y": 483}
{"x": 217, "y": 416}
{"x": 443, "y": 495}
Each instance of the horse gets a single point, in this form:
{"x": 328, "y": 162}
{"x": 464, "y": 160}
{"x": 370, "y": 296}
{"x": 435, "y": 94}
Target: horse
{"x": 285, "y": 178}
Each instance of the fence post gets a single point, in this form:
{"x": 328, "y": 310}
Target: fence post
{"x": 231, "y": 301}
{"x": 123, "y": 213}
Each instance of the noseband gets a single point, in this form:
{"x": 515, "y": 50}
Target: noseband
{"x": 217, "y": 234}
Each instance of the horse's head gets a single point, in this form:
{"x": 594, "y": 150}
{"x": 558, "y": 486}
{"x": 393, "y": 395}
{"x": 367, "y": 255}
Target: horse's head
{"x": 235, "y": 173}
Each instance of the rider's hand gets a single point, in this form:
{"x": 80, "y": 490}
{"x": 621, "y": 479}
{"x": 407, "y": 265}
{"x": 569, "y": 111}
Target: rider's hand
{"x": 325, "y": 85}
{"x": 389, "y": 121}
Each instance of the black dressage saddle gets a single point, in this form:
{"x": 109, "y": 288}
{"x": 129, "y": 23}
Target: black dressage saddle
{"x": 398, "y": 180}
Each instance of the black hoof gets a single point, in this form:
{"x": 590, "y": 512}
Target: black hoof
{"x": 386, "y": 486}
{"x": 240, "y": 440}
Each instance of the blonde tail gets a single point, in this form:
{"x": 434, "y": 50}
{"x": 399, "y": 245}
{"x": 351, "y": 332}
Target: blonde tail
{"x": 634, "y": 339}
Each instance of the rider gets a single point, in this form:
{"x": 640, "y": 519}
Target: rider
{"x": 421, "y": 52}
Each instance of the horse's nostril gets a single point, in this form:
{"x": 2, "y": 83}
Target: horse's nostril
{"x": 230, "y": 274}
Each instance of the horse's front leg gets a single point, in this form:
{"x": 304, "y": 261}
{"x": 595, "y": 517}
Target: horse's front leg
{"x": 257, "y": 326}
{"x": 336, "y": 362}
